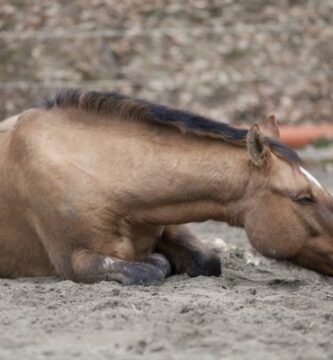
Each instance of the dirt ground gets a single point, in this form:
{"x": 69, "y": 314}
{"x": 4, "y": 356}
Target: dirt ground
{"x": 258, "y": 309}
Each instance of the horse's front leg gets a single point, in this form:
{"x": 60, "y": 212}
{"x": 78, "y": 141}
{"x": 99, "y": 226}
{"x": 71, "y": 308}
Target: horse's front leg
{"x": 186, "y": 254}
{"x": 89, "y": 266}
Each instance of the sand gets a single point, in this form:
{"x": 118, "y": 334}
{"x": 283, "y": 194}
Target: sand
{"x": 258, "y": 309}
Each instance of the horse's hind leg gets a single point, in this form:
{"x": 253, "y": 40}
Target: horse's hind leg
{"x": 186, "y": 254}
{"x": 89, "y": 266}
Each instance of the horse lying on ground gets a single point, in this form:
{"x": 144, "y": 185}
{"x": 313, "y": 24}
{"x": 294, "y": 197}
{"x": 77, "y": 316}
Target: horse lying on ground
{"x": 96, "y": 186}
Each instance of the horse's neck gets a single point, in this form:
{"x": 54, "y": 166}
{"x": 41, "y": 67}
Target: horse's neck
{"x": 195, "y": 179}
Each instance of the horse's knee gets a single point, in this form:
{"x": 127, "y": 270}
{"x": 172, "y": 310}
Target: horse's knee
{"x": 204, "y": 264}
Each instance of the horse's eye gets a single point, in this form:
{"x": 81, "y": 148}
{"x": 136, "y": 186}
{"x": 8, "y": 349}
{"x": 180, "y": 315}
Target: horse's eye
{"x": 305, "y": 200}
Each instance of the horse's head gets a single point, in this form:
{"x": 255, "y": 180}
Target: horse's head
{"x": 289, "y": 214}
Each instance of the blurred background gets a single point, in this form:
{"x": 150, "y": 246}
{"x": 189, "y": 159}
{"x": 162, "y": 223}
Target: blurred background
{"x": 235, "y": 61}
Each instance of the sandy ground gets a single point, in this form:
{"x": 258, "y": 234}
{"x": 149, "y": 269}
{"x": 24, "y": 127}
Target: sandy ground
{"x": 258, "y": 309}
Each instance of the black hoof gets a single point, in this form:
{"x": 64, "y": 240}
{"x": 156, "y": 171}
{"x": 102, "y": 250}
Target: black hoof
{"x": 205, "y": 265}
{"x": 152, "y": 272}
{"x": 161, "y": 262}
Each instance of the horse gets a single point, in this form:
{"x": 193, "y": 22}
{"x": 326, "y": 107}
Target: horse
{"x": 100, "y": 186}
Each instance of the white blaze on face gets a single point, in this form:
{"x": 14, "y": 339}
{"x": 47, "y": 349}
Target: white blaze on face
{"x": 311, "y": 177}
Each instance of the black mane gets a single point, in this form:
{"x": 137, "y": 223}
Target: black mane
{"x": 114, "y": 103}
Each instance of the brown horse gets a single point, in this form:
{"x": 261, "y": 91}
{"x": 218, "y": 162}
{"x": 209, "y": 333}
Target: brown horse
{"x": 96, "y": 186}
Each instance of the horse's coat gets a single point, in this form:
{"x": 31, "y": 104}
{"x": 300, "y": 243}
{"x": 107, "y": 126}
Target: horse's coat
{"x": 92, "y": 184}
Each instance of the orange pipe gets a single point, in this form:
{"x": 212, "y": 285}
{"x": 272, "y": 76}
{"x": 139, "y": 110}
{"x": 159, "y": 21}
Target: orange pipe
{"x": 298, "y": 136}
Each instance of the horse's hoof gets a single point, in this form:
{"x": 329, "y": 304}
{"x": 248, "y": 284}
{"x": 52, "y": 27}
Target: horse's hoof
{"x": 205, "y": 265}
{"x": 136, "y": 273}
{"x": 161, "y": 262}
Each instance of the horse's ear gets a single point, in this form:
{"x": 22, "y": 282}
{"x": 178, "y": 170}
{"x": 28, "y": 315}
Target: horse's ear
{"x": 270, "y": 128}
{"x": 257, "y": 146}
